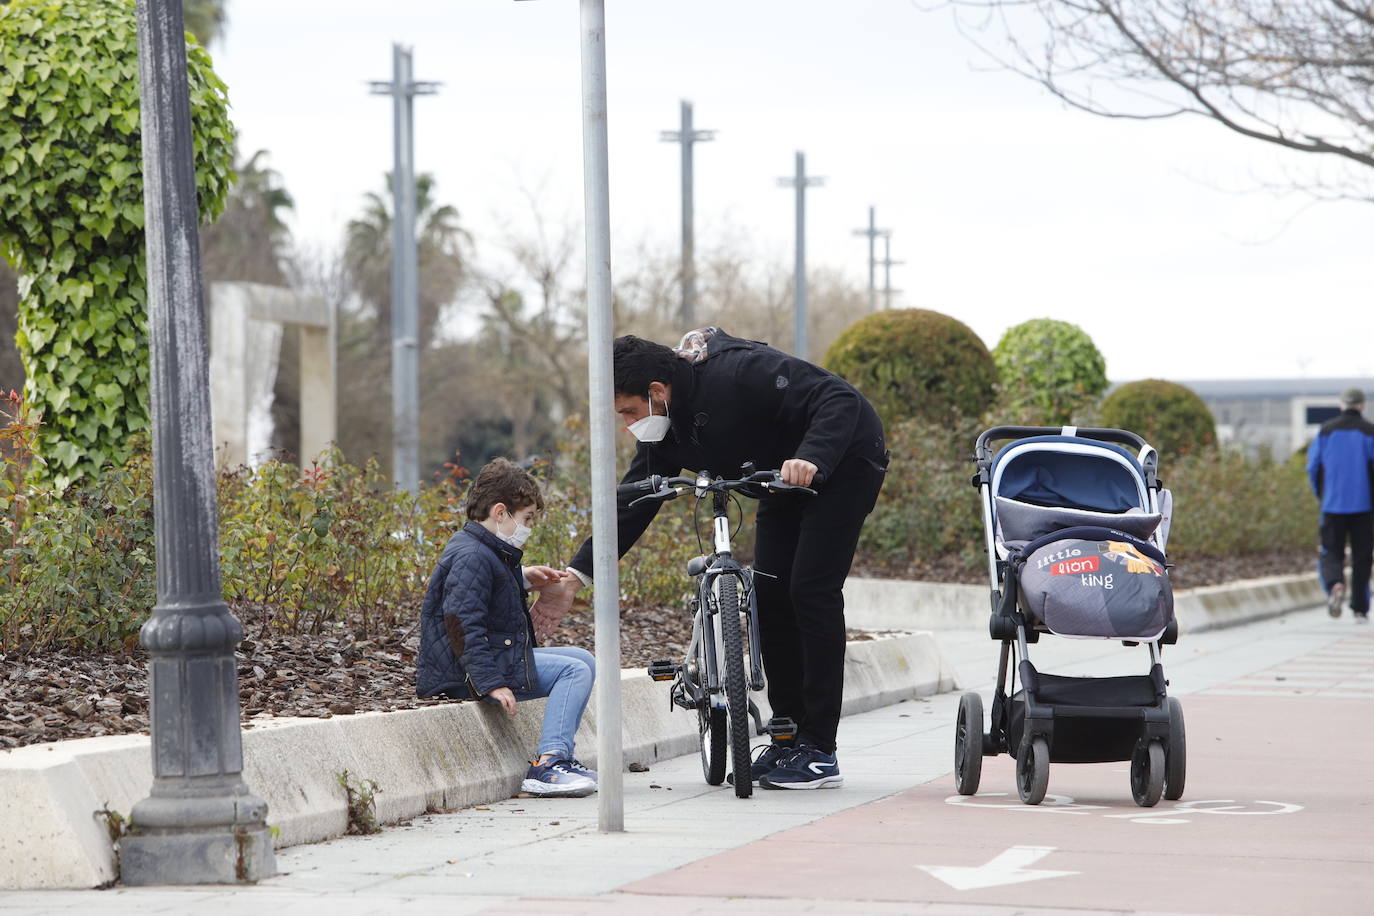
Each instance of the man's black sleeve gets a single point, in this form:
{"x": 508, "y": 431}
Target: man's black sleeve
{"x": 823, "y": 408}
{"x": 630, "y": 521}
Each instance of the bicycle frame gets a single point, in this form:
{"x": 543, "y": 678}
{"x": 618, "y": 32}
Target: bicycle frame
{"x": 706, "y": 607}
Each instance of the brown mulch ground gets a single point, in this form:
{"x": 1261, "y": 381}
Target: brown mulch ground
{"x": 64, "y": 694}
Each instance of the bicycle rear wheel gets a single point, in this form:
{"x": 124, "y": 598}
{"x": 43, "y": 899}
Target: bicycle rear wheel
{"x": 736, "y": 700}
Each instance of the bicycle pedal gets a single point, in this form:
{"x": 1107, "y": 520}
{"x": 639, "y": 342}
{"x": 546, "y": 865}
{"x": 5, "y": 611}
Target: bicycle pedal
{"x": 782, "y": 728}
{"x": 663, "y": 670}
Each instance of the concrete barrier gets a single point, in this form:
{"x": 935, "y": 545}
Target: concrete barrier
{"x": 438, "y": 757}
{"x": 901, "y": 605}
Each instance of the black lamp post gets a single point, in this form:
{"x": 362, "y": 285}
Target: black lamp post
{"x": 200, "y": 824}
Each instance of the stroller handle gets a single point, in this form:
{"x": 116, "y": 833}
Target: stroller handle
{"x": 983, "y": 454}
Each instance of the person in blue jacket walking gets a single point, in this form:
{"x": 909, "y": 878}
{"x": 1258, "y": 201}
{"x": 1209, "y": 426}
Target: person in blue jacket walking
{"x": 1340, "y": 463}
{"x": 477, "y": 640}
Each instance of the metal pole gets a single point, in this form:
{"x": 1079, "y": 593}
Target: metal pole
{"x": 688, "y": 137}
{"x": 872, "y": 231}
{"x": 800, "y": 182}
{"x": 799, "y": 277}
{"x": 605, "y": 572}
{"x": 405, "y": 298}
{"x": 199, "y": 824}
{"x": 888, "y": 264}
{"x": 405, "y": 386}
{"x": 689, "y": 277}
{"x": 887, "y": 270}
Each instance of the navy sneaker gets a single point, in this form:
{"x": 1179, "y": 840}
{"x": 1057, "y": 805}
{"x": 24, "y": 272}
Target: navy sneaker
{"x": 766, "y": 757}
{"x": 581, "y": 769}
{"x": 556, "y": 779}
{"x": 806, "y": 767}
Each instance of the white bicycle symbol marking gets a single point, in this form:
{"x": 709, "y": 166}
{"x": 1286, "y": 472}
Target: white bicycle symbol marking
{"x": 1177, "y": 814}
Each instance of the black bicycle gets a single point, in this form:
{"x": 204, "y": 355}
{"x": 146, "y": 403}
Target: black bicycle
{"x": 711, "y": 678}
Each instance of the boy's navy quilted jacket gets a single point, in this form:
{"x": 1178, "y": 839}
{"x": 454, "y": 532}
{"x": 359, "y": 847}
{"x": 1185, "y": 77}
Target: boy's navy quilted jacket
{"x": 475, "y": 629}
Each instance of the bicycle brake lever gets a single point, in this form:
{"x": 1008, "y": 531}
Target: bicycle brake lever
{"x": 665, "y": 495}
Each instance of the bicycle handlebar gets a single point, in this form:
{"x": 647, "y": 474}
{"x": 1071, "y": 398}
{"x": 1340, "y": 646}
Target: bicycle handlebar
{"x": 665, "y": 488}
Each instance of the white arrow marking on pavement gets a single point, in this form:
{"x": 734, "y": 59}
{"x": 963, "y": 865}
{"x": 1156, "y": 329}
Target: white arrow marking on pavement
{"x": 1007, "y": 868}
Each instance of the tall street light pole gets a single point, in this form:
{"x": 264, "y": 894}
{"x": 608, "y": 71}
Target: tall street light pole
{"x": 405, "y": 297}
{"x": 688, "y": 137}
{"x": 888, "y": 264}
{"x": 800, "y": 182}
{"x": 873, "y": 232}
{"x": 610, "y": 753}
{"x": 199, "y": 824}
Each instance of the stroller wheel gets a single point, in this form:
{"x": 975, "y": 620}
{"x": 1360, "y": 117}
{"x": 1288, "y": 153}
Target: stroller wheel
{"x": 1147, "y": 773}
{"x": 968, "y": 744}
{"x": 1176, "y": 754}
{"x": 1033, "y": 771}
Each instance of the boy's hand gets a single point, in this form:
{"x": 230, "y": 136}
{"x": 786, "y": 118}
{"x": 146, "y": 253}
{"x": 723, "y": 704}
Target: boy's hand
{"x": 554, "y": 602}
{"x": 504, "y": 696}
{"x": 541, "y": 576}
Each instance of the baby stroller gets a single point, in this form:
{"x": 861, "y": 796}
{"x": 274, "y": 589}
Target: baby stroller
{"x": 1075, "y": 532}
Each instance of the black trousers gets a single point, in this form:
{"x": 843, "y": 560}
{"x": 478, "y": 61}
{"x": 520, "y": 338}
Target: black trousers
{"x": 804, "y": 548}
{"x": 1336, "y": 528}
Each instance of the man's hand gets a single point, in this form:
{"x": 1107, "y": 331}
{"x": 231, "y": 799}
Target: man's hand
{"x": 504, "y": 696}
{"x": 542, "y": 576}
{"x": 798, "y": 471}
{"x": 554, "y": 602}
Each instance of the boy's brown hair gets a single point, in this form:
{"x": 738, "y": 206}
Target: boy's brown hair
{"x": 502, "y": 481}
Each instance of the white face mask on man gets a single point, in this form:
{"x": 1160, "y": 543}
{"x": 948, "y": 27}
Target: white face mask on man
{"x": 651, "y": 428}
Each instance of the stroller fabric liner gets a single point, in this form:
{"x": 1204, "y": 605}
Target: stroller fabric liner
{"x": 1020, "y": 521}
{"x": 1066, "y": 472}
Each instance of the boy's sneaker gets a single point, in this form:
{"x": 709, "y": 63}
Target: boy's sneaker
{"x": 766, "y": 758}
{"x": 581, "y": 769}
{"x": 806, "y": 767}
{"x": 556, "y": 779}
{"x": 1362, "y": 618}
{"x": 1334, "y": 600}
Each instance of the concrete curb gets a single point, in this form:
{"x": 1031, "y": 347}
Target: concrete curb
{"x": 901, "y": 605}
{"x": 438, "y": 757}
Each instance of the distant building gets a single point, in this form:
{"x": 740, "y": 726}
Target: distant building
{"x": 1282, "y": 414}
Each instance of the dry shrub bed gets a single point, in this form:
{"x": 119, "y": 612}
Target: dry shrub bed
{"x": 67, "y": 693}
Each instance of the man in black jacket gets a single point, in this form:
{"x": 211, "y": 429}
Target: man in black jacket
{"x": 716, "y": 406}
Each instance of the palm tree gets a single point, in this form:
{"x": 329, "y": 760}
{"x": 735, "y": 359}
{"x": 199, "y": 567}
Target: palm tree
{"x": 250, "y": 241}
{"x": 205, "y": 19}
{"x": 442, "y": 260}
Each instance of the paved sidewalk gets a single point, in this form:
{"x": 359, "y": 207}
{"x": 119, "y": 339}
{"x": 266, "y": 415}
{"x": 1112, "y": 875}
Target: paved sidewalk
{"x": 1277, "y": 725}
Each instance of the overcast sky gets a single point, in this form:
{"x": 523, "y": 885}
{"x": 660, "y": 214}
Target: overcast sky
{"x": 1004, "y": 205}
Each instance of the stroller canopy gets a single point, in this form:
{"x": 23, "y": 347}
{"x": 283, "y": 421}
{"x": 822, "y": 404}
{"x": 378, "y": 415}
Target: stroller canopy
{"x": 1070, "y": 472}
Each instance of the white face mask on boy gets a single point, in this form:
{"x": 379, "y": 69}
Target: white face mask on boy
{"x": 516, "y": 540}
{"x": 651, "y": 428}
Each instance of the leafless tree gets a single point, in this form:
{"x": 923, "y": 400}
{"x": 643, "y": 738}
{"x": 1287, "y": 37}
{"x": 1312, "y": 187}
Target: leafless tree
{"x": 1293, "y": 73}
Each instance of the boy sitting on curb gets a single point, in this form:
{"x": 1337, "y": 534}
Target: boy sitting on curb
{"x": 476, "y": 637}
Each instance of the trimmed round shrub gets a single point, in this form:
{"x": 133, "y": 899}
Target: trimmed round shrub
{"x": 916, "y": 364}
{"x": 1170, "y": 416}
{"x": 1049, "y": 370}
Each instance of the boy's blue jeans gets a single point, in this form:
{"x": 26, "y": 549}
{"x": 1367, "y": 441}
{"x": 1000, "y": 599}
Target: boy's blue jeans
{"x": 565, "y": 675}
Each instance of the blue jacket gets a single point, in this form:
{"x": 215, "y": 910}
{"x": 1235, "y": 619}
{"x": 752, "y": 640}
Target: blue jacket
{"x": 1340, "y": 462}
{"x": 475, "y": 629}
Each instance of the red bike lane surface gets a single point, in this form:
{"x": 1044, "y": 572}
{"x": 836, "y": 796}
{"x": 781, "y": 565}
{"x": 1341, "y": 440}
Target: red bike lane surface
{"x": 1276, "y": 818}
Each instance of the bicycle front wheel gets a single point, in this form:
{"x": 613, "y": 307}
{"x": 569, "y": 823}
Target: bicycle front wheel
{"x": 736, "y": 700}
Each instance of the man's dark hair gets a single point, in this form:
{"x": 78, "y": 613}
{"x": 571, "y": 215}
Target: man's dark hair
{"x": 502, "y": 481}
{"x": 638, "y": 362}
